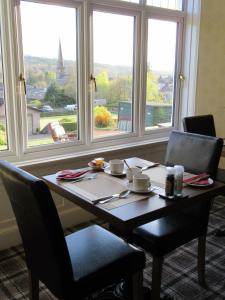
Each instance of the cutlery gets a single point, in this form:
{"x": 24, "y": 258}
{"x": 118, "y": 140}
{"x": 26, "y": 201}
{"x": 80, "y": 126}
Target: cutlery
{"x": 90, "y": 177}
{"x": 126, "y": 163}
{"x": 102, "y": 200}
{"x": 148, "y": 167}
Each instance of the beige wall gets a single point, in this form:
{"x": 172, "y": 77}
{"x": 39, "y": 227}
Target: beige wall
{"x": 210, "y": 96}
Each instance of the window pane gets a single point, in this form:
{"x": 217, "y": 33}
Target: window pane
{"x": 134, "y": 1}
{"x": 160, "y": 74}
{"x": 113, "y": 37}
{"x": 50, "y": 60}
{"x": 3, "y": 125}
{"x": 171, "y": 4}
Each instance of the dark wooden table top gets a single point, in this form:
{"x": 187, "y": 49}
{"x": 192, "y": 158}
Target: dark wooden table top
{"x": 129, "y": 216}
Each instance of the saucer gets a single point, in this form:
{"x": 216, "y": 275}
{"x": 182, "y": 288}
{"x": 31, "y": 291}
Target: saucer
{"x": 108, "y": 171}
{"x": 131, "y": 188}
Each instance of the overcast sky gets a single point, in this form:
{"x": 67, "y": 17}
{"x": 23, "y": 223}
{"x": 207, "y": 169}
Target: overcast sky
{"x": 43, "y": 25}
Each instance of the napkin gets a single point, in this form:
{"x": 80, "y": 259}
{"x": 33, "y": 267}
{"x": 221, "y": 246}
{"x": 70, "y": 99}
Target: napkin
{"x": 202, "y": 182}
{"x": 198, "y": 179}
{"x": 70, "y": 174}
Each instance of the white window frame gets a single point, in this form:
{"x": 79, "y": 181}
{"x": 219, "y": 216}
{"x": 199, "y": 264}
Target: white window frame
{"x": 86, "y": 145}
{"x": 136, "y": 62}
{"x": 178, "y": 67}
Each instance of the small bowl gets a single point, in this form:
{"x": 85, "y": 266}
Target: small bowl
{"x": 97, "y": 168}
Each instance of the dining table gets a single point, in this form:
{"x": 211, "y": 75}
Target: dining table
{"x": 123, "y": 215}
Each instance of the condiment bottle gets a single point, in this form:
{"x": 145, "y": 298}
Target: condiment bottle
{"x": 178, "y": 180}
{"x": 169, "y": 187}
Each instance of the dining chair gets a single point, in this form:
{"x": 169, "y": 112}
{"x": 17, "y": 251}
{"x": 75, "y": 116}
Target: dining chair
{"x": 202, "y": 124}
{"x": 74, "y": 266}
{"x": 197, "y": 153}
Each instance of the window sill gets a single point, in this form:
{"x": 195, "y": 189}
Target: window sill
{"x": 85, "y": 154}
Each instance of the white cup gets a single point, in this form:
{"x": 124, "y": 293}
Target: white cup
{"x": 141, "y": 182}
{"x": 116, "y": 166}
{"x": 131, "y": 172}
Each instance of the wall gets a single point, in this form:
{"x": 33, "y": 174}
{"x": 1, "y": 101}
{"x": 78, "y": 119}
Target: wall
{"x": 70, "y": 214}
{"x": 210, "y": 96}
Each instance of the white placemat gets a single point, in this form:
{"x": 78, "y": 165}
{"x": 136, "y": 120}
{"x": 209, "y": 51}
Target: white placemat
{"x": 103, "y": 185}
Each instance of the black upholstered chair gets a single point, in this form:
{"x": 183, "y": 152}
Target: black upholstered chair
{"x": 203, "y": 124}
{"x": 197, "y": 153}
{"x": 74, "y": 266}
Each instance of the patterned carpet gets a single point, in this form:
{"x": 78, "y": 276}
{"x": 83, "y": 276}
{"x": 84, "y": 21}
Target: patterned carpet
{"x": 179, "y": 273}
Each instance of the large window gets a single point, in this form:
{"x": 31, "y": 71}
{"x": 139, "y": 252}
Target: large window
{"x": 86, "y": 74}
{"x": 113, "y": 44}
{"x": 50, "y": 56}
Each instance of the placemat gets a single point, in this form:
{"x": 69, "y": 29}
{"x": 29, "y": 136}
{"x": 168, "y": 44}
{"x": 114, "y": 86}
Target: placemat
{"x": 157, "y": 176}
{"x": 103, "y": 185}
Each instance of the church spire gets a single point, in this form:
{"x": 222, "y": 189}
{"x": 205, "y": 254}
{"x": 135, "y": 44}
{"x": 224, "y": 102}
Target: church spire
{"x": 60, "y": 63}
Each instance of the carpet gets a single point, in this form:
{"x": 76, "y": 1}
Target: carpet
{"x": 179, "y": 280}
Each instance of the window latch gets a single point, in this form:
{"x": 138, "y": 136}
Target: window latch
{"x": 22, "y": 79}
{"x": 92, "y": 78}
{"x": 181, "y": 77}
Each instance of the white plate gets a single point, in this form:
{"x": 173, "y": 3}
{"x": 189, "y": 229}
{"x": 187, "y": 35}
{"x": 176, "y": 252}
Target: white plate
{"x": 69, "y": 179}
{"x": 149, "y": 190}
{"x": 201, "y": 185}
{"x": 108, "y": 171}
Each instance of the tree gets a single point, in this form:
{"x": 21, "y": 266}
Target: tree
{"x": 152, "y": 93}
{"x": 102, "y": 81}
{"x": 55, "y": 96}
{"x": 70, "y": 87}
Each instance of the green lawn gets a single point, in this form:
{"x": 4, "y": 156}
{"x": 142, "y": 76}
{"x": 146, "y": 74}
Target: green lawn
{"x": 3, "y": 147}
{"x": 39, "y": 142}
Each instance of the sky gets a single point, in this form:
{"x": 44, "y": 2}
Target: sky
{"x": 43, "y": 26}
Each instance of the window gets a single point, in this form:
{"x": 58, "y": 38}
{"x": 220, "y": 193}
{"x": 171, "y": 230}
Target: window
{"x": 3, "y": 123}
{"x": 113, "y": 44}
{"x": 161, "y": 71}
{"x": 170, "y": 4}
{"x": 50, "y": 63}
{"x": 86, "y": 74}
{"x": 133, "y": 1}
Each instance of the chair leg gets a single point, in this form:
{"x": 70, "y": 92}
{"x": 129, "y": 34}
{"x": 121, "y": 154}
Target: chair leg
{"x": 156, "y": 277}
{"x": 135, "y": 287}
{"x": 201, "y": 260}
{"x": 33, "y": 286}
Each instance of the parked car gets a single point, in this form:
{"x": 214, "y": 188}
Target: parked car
{"x": 70, "y": 107}
{"x": 46, "y": 108}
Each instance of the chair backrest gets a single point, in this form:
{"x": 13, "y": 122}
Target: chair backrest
{"x": 197, "y": 153}
{"x": 40, "y": 228}
{"x": 203, "y": 124}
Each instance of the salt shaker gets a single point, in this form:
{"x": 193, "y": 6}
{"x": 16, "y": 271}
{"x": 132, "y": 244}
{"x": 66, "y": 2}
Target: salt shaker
{"x": 178, "y": 180}
{"x": 169, "y": 188}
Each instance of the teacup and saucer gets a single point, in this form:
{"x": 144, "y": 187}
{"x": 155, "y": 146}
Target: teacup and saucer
{"x": 116, "y": 168}
{"x": 141, "y": 184}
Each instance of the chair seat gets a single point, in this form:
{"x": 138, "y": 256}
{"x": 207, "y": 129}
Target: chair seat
{"x": 100, "y": 258}
{"x": 166, "y": 234}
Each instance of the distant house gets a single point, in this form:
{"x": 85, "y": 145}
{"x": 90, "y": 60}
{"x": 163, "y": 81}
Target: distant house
{"x": 100, "y": 102}
{"x": 33, "y": 117}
